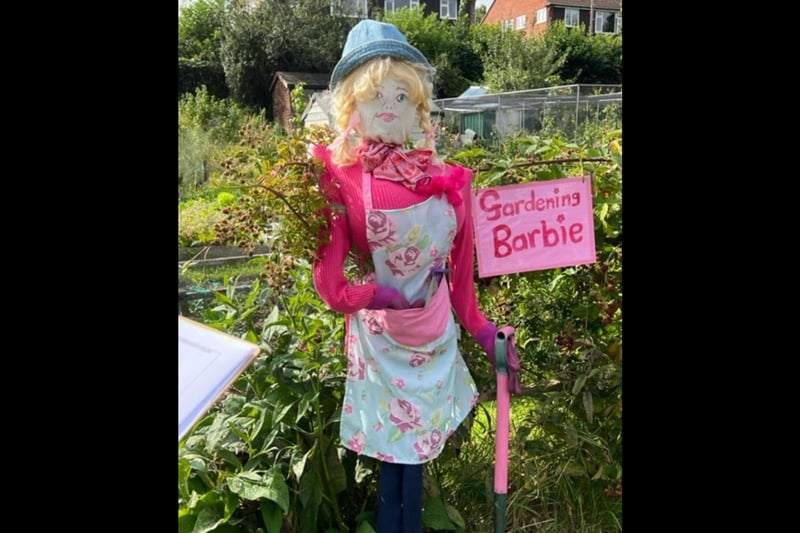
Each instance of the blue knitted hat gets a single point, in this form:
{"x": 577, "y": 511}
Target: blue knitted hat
{"x": 370, "y": 39}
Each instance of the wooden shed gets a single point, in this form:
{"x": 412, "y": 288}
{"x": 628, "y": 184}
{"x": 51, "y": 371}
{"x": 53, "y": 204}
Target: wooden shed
{"x": 281, "y": 88}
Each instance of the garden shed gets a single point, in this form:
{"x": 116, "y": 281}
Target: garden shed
{"x": 281, "y": 92}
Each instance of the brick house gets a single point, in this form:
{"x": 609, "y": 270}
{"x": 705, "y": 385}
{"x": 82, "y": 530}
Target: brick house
{"x": 446, "y": 9}
{"x": 534, "y": 16}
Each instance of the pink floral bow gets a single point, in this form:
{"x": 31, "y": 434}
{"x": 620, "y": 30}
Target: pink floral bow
{"x": 392, "y": 162}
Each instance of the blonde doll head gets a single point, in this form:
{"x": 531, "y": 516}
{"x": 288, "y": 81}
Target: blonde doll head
{"x": 373, "y": 53}
{"x": 363, "y": 83}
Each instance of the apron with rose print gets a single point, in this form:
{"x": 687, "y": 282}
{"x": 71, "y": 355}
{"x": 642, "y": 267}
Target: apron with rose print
{"x": 407, "y": 387}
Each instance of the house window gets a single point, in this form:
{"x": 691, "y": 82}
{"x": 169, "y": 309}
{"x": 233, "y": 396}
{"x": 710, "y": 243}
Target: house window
{"x": 507, "y": 24}
{"x": 572, "y": 18}
{"x": 521, "y": 20}
{"x": 448, "y": 9}
{"x": 393, "y": 5}
{"x": 541, "y": 15}
{"x": 349, "y": 8}
{"x": 606, "y": 22}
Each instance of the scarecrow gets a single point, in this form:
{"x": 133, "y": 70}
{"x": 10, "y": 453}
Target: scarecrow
{"x": 407, "y": 214}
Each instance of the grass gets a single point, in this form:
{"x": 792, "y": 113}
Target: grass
{"x": 205, "y": 275}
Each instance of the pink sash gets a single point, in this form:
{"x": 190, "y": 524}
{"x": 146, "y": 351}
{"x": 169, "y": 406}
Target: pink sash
{"x": 418, "y": 326}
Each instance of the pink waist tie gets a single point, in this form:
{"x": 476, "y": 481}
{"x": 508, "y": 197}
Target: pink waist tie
{"x": 417, "y": 326}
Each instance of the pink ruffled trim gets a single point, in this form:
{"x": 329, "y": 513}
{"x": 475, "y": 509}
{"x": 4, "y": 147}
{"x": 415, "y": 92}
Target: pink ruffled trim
{"x": 449, "y": 184}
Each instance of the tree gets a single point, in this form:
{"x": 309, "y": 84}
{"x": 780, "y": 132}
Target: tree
{"x": 444, "y": 44}
{"x": 278, "y": 35}
{"x": 199, "y": 39}
{"x": 512, "y": 62}
{"x": 587, "y": 58}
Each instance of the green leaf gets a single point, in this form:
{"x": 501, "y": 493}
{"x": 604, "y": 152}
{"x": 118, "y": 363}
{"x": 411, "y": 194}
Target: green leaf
{"x": 207, "y": 520}
{"x": 455, "y": 516}
{"x": 273, "y": 518}
{"x": 303, "y": 406}
{"x": 576, "y": 388}
{"x": 588, "y": 405}
{"x": 281, "y": 411}
{"x": 365, "y": 527}
{"x": 298, "y": 464}
{"x": 575, "y": 470}
{"x": 230, "y": 458}
{"x": 310, "y": 489}
{"x": 252, "y": 486}
{"x": 337, "y": 477}
{"x": 183, "y": 478}
{"x": 434, "y": 515}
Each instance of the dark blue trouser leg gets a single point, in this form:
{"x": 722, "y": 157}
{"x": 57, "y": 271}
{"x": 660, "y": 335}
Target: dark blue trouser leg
{"x": 412, "y": 498}
{"x": 400, "y": 499}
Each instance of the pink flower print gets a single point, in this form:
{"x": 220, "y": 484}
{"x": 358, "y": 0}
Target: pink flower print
{"x": 404, "y": 414}
{"x": 439, "y": 384}
{"x": 374, "y": 323}
{"x": 428, "y": 443}
{"x": 357, "y": 442}
{"x": 433, "y": 251}
{"x": 398, "y": 382}
{"x": 373, "y": 364}
{"x": 417, "y": 359}
{"x": 348, "y": 409}
{"x": 385, "y": 458}
{"x": 451, "y": 235}
{"x": 404, "y": 261}
{"x": 378, "y": 426}
{"x": 356, "y": 368}
{"x": 380, "y": 230}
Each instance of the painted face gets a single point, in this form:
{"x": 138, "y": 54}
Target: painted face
{"x": 389, "y": 116}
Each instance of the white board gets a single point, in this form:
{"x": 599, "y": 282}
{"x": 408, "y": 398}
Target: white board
{"x": 209, "y": 361}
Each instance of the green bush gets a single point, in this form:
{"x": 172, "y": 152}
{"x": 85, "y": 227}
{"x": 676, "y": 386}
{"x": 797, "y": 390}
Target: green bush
{"x": 220, "y": 118}
{"x": 196, "y": 221}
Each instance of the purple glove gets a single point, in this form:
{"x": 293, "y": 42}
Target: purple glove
{"x": 393, "y": 299}
{"x": 486, "y": 338}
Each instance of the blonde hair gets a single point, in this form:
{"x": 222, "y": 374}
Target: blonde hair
{"x": 361, "y": 84}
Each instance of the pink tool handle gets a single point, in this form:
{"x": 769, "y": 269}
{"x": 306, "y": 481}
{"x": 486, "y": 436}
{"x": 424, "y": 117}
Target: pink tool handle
{"x": 501, "y": 442}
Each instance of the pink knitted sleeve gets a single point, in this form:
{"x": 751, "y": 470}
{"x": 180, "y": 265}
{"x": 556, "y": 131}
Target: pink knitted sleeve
{"x": 329, "y": 278}
{"x": 462, "y": 256}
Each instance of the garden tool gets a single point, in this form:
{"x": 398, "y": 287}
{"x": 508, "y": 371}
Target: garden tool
{"x": 501, "y": 439}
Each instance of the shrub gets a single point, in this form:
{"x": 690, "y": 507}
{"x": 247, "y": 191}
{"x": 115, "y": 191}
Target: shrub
{"x": 196, "y": 221}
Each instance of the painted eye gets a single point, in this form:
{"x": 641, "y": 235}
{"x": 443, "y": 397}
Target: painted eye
{"x": 379, "y": 96}
{"x": 402, "y": 98}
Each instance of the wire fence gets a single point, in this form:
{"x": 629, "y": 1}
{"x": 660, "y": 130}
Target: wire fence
{"x": 565, "y": 108}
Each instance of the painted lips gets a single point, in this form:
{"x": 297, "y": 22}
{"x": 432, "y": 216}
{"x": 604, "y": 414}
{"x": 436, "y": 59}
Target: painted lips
{"x": 387, "y": 117}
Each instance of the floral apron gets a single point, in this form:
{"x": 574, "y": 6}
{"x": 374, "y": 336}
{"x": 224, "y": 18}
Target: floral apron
{"x": 407, "y": 387}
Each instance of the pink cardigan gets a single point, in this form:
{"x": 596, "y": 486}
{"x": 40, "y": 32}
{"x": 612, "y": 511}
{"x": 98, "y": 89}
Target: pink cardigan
{"x": 349, "y": 229}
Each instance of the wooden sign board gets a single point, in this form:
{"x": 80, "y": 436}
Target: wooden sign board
{"x": 209, "y": 361}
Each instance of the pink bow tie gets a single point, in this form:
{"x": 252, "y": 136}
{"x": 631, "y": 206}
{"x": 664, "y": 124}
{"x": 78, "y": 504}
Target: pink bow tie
{"x": 391, "y": 162}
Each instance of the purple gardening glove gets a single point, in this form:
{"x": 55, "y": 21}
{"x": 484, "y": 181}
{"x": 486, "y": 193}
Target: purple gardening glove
{"x": 391, "y": 298}
{"x": 486, "y": 338}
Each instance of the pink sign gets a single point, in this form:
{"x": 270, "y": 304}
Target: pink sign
{"x": 534, "y": 226}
